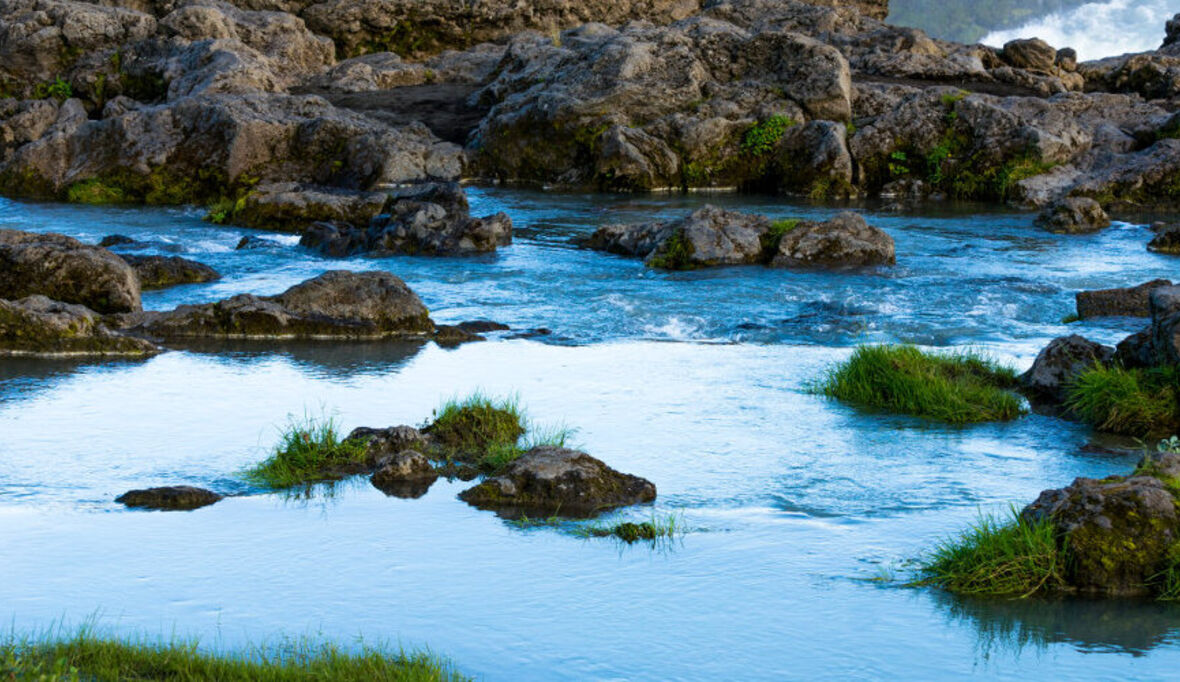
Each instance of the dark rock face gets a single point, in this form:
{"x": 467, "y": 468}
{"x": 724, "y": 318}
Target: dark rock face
{"x": 159, "y": 272}
{"x": 36, "y": 325}
{"x": 1117, "y": 530}
{"x": 428, "y": 219}
{"x": 1166, "y": 240}
{"x": 115, "y": 240}
{"x": 1074, "y": 215}
{"x": 291, "y": 207}
{"x": 171, "y": 498}
{"x": 1125, "y": 302}
{"x": 337, "y": 304}
{"x": 67, "y": 270}
{"x": 384, "y": 443}
{"x": 1059, "y": 363}
{"x": 553, "y": 479}
{"x": 1165, "y": 324}
{"x": 844, "y": 241}
{"x": 407, "y": 474}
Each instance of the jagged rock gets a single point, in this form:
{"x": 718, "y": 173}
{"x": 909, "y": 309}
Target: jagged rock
{"x": 159, "y": 272}
{"x": 429, "y": 219}
{"x": 1074, "y": 215}
{"x": 337, "y": 304}
{"x": 1124, "y": 302}
{"x": 845, "y": 240}
{"x": 171, "y": 498}
{"x": 1059, "y": 363}
{"x": 292, "y": 207}
{"x": 407, "y": 474}
{"x": 559, "y": 480}
{"x": 36, "y": 325}
{"x": 67, "y": 270}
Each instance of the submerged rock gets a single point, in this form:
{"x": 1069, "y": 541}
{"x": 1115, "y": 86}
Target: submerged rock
{"x": 115, "y": 240}
{"x": 1059, "y": 363}
{"x": 1074, "y": 215}
{"x": 36, "y": 325}
{"x": 171, "y": 498}
{"x": 559, "y": 480}
{"x": 159, "y": 272}
{"x": 1124, "y": 302}
{"x": 845, "y": 240}
{"x": 64, "y": 269}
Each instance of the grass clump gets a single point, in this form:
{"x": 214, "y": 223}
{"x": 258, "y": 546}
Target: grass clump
{"x": 477, "y": 425}
{"x": 86, "y": 656}
{"x": 761, "y": 138}
{"x": 499, "y": 455}
{"x": 996, "y": 556}
{"x": 1133, "y": 402}
{"x": 658, "y": 527}
{"x": 309, "y": 450}
{"x": 956, "y": 388}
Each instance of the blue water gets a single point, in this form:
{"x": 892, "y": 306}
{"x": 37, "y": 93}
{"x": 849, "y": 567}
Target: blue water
{"x": 795, "y": 505}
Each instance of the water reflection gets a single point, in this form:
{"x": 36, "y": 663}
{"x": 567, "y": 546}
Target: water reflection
{"x": 338, "y": 359}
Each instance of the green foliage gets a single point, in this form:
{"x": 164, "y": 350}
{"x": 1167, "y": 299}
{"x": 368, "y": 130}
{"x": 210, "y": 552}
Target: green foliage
{"x": 1012, "y": 557}
{"x": 761, "y": 138}
{"x": 897, "y": 161}
{"x": 309, "y": 450}
{"x": 778, "y": 230}
{"x": 95, "y": 192}
{"x": 1166, "y": 584}
{"x": 57, "y": 89}
{"x": 86, "y": 656}
{"x": 666, "y": 526}
{"x": 477, "y": 424}
{"x": 1133, "y": 402}
{"x": 675, "y": 253}
{"x": 956, "y": 388}
{"x": 949, "y": 99}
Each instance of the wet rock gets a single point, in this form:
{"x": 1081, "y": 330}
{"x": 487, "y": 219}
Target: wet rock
{"x": 337, "y": 304}
{"x": 559, "y": 480}
{"x": 159, "y": 272}
{"x": 430, "y": 219}
{"x": 1074, "y": 215}
{"x": 1117, "y": 531}
{"x": 1059, "y": 363}
{"x": 844, "y": 241}
{"x": 707, "y": 237}
{"x": 386, "y": 442}
{"x": 249, "y": 242}
{"x": 407, "y": 474}
{"x": 293, "y": 207}
{"x": 64, "y": 269}
{"x": 482, "y": 326}
{"x": 1166, "y": 240}
{"x": 36, "y": 325}
{"x": 115, "y": 240}
{"x": 453, "y": 335}
{"x": 170, "y": 498}
{"x": 1124, "y": 302}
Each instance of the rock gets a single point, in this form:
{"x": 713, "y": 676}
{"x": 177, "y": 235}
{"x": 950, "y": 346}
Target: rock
{"x": 449, "y": 336}
{"x": 384, "y": 443}
{"x": 407, "y": 474}
{"x": 170, "y": 498}
{"x": 1059, "y": 363}
{"x": 115, "y": 240}
{"x": 482, "y": 326}
{"x": 1166, "y": 240}
{"x": 558, "y": 480}
{"x": 292, "y": 207}
{"x": 1137, "y": 350}
{"x": 1165, "y": 324}
{"x": 1033, "y": 53}
{"x": 36, "y": 325}
{"x": 1172, "y": 29}
{"x": 159, "y": 272}
{"x": 1117, "y": 531}
{"x": 64, "y": 269}
{"x": 844, "y": 241}
{"x": 429, "y": 219}
{"x": 1074, "y": 215}
{"x": 707, "y": 237}
{"x": 337, "y": 304}
{"x": 251, "y": 242}
{"x": 1125, "y": 302}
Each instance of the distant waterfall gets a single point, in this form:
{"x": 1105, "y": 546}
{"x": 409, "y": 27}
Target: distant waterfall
{"x": 1099, "y": 29}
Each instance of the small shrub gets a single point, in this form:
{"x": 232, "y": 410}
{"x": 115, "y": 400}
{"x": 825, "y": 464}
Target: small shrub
{"x": 762, "y": 137}
{"x": 956, "y": 388}
{"x": 477, "y": 424}
{"x": 1014, "y": 557}
{"x": 309, "y": 450}
{"x": 1133, "y": 402}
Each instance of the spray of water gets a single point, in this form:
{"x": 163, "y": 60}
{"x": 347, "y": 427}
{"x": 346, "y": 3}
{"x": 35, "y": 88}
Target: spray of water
{"x": 1099, "y": 29}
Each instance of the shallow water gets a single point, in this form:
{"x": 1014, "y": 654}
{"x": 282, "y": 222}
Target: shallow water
{"x": 696, "y": 381}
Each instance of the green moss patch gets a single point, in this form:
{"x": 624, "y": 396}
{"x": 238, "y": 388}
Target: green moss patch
{"x": 762, "y": 137}
{"x": 674, "y": 253}
{"x": 477, "y": 426}
{"x": 1133, "y": 402}
{"x": 956, "y": 388}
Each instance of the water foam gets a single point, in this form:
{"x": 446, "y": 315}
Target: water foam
{"x": 1098, "y": 29}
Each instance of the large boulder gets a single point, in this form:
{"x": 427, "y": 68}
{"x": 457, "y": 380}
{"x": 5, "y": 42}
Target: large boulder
{"x": 160, "y": 272}
{"x": 1122, "y": 302}
{"x": 169, "y": 498}
{"x": 844, "y": 241}
{"x": 1074, "y": 215}
{"x": 293, "y": 207}
{"x": 707, "y": 237}
{"x": 36, "y": 325}
{"x": 1165, "y": 324}
{"x": 558, "y": 480}
{"x": 1059, "y": 363}
{"x": 67, "y": 270}
{"x": 1166, "y": 241}
{"x": 337, "y": 304}
{"x": 1032, "y": 53}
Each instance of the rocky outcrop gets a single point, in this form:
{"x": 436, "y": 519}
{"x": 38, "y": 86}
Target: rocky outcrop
{"x": 1059, "y": 363}
{"x": 431, "y": 219}
{"x": 1124, "y": 302}
{"x": 292, "y": 207}
{"x": 552, "y": 479}
{"x": 171, "y": 498}
{"x": 337, "y": 304}
{"x": 36, "y": 325}
{"x": 1074, "y": 215}
{"x": 844, "y": 241}
{"x": 160, "y": 272}
{"x": 64, "y": 269}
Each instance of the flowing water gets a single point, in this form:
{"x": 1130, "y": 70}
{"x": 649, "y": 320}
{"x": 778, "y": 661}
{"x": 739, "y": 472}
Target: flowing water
{"x": 796, "y": 506}
{"x": 1098, "y": 29}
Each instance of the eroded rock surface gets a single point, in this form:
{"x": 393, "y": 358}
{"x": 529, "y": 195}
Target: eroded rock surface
{"x": 160, "y": 272}
{"x": 36, "y": 325}
{"x": 65, "y": 269}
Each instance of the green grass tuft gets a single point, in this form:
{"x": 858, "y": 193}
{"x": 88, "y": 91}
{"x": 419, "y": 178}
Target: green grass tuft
{"x": 761, "y": 138}
{"x": 996, "y": 556}
{"x": 477, "y": 424}
{"x": 86, "y": 656}
{"x": 956, "y": 388}
{"x": 309, "y": 450}
{"x": 658, "y": 527}
{"x": 778, "y": 230}
{"x": 1133, "y": 402}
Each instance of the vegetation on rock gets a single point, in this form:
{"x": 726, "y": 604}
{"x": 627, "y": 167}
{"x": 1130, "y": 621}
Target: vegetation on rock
{"x": 309, "y": 450}
{"x": 1134, "y": 402}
